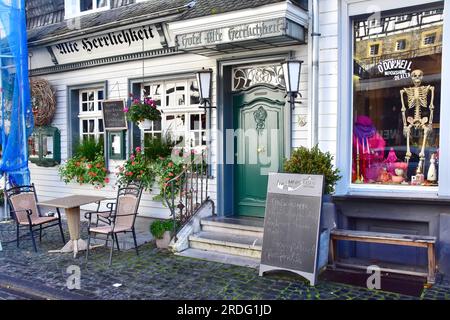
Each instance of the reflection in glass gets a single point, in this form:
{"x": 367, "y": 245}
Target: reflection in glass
{"x": 47, "y": 145}
{"x": 396, "y": 102}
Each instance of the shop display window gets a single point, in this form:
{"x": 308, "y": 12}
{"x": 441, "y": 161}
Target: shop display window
{"x": 396, "y": 98}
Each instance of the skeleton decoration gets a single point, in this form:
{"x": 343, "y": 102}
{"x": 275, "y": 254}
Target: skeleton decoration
{"x": 417, "y": 98}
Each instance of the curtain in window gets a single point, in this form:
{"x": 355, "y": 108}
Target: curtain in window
{"x": 16, "y": 115}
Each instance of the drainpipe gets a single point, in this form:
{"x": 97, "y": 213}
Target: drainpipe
{"x": 315, "y": 37}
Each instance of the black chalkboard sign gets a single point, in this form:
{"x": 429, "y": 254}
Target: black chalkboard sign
{"x": 292, "y": 224}
{"x": 113, "y": 115}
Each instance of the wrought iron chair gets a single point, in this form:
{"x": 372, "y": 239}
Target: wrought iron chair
{"x": 22, "y": 201}
{"x": 122, "y": 219}
{"x": 106, "y": 215}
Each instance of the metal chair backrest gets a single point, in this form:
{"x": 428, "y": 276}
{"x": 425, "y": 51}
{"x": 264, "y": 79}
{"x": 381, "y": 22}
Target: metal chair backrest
{"x": 20, "y": 199}
{"x": 128, "y": 199}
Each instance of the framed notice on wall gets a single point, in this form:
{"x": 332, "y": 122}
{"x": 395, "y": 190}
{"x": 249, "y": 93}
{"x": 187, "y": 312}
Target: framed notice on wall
{"x": 292, "y": 224}
{"x": 113, "y": 115}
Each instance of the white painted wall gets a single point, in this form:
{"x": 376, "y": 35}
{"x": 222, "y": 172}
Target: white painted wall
{"x": 328, "y": 75}
{"x": 47, "y": 180}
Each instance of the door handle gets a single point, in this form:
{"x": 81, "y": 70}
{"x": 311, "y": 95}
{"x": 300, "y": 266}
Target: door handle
{"x": 261, "y": 150}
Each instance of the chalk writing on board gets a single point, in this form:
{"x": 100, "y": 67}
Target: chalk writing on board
{"x": 113, "y": 115}
{"x": 292, "y": 223}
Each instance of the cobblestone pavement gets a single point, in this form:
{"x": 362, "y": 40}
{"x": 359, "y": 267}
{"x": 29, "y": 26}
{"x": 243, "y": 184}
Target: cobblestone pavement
{"x": 159, "y": 274}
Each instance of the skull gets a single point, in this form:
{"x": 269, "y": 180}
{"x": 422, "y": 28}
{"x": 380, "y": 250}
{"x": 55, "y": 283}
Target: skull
{"x": 417, "y": 77}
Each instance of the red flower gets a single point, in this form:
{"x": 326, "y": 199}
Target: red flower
{"x": 138, "y": 149}
{"x": 167, "y": 179}
{"x": 170, "y": 165}
{"x": 106, "y": 180}
{"x": 170, "y": 174}
{"x": 133, "y": 163}
{"x": 89, "y": 166}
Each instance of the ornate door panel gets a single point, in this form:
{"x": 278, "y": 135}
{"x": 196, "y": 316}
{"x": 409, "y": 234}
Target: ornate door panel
{"x": 259, "y": 147}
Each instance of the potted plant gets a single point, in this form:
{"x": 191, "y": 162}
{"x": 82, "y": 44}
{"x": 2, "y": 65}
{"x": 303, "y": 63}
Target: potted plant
{"x": 143, "y": 112}
{"x": 314, "y": 161}
{"x": 86, "y": 166}
{"x": 136, "y": 168}
{"x": 162, "y": 231}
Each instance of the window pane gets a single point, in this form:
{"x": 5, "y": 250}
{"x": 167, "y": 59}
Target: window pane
{"x": 396, "y": 103}
{"x": 102, "y": 3}
{"x": 84, "y": 96}
{"x": 180, "y": 87}
{"x": 100, "y": 94}
{"x": 91, "y": 96}
{"x": 193, "y": 92}
{"x": 203, "y": 138}
{"x": 85, "y": 126}
{"x": 85, "y": 5}
{"x": 157, "y": 125}
{"x": 195, "y": 121}
{"x": 180, "y": 99}
{"x": 203, "y": 121}
{"x": 100, "y": 125}
{"x": 170, "y": 89}
{"x": 91, "y": 126}
{"x": 84, "y": 107}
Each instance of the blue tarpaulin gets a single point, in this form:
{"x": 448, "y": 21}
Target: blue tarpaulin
{"x": 16, "y": 114}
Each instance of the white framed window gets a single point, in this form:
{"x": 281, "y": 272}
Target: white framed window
{"x": 75, "y": 8}
{"x": 388, "y": 152}
{"x": 90, "y": 114}
{"x": 182, "y": 119}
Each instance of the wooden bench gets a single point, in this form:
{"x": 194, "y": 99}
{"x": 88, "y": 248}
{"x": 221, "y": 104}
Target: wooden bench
{"x": 427, "y": 242}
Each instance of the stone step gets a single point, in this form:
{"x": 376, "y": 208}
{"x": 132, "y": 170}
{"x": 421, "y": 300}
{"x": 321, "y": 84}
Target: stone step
{"x": 221, "y": 258}
{"x": 253, "y": 227}
{"x": 241, "y": 245}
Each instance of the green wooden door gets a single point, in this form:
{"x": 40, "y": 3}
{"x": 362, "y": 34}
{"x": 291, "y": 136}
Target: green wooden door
{"x": 259, "y": 147}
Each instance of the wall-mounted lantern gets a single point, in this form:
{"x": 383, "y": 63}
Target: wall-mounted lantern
{"x": 204, "y": 80}
{"x": 292, "y": 70}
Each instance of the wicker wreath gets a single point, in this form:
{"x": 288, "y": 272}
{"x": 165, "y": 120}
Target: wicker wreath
{"x": 43, "y": 102}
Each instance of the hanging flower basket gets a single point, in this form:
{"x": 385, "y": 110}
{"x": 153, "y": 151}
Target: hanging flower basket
{"x": 145, "y": 124}
{"x": 143, "y": 112}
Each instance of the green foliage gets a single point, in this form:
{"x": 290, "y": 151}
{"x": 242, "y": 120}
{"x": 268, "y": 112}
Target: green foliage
{"x": 166, "y": 170}
{"x": 89, "y": 149}
{"x": 314, "y": 161}
{"x": 143, "y": 110}
{"x": 156, "y": 148}
{"x": 136, "y": 168}
{"x": 158, "y": 227}
{"x": 80, "y": 169}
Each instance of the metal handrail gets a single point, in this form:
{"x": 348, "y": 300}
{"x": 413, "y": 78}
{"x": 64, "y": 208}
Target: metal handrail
{"x": 186, "y": 193}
